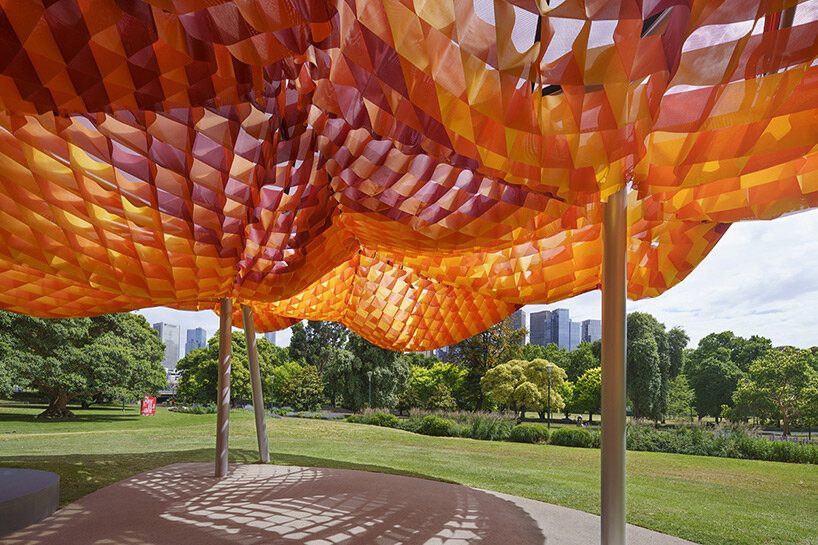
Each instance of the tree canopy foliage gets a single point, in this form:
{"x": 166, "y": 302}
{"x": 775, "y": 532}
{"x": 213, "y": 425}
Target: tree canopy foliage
{"x": 479, "y": 353}
{"x": 315, "y": 341}
{"x": 199, "y": 370}
{"x": 588, "y": 392}
{"x": 348, "y": 368}
{"x": 651, "y": 363}
{"x": 715, "y": 367}
{"x": 116, "y": 355}
{"x": 522, "y": 384}
{"x": 778, "y": 383}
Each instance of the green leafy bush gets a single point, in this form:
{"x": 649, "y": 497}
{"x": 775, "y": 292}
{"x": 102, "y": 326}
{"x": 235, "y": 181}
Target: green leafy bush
{"x": 381, "y": 418}
{"x": 572, "y": 437}
{"x": 434, "y": 425}
{"x": 209, "y": 408}
{"x": 529, "y": 433}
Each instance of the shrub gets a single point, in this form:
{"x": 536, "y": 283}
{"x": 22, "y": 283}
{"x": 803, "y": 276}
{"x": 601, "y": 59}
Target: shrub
{"x": 434, "y": 425}
{"x": 381, "y": 418}
{"x": 489, "y": 427}
{"x": 355, "y": 418}
{"x": 210, "y": 408}
{"x": 572, "y": 437}
{"x": 529, "y": 433}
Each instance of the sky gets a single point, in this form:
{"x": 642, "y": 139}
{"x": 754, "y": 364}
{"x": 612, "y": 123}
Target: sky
{"x": 760, "y": 279}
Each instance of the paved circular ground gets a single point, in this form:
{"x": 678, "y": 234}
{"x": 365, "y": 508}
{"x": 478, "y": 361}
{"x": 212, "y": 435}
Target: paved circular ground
{"x": 184, "y": 504}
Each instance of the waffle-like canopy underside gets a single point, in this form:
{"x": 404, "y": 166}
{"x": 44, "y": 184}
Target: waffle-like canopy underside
{"x": 414, "y": 170}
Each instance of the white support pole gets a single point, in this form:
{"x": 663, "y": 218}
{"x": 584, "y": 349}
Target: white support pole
{"x": 614, "y": 283}
{"x": 223, "y": 415}
{"x": 255, "y": 379}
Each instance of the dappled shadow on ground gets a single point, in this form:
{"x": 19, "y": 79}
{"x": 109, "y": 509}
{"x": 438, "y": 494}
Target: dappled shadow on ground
{"x": 183, "y": 503}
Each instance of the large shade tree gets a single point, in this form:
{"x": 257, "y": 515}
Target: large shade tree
{"x": 348, "y": 369}
{"x": 314, "y": 341}
{"x": 116, "y": 355}
{"x": 654, "y": 358}
{"x": 717, "y": 364}
{"x": 780, "y": 380}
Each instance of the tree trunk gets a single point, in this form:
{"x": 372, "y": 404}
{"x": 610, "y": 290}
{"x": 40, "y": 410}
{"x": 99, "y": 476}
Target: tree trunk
{"x": 542, "y": 415}
{"x": 590, "y": 418}
{"x": 57, "y": 408}
{"x": 786, "y": 419}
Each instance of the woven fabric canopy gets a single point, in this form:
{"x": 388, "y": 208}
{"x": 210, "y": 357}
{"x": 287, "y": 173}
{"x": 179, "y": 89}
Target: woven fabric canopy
{"x": 414, "y": 170}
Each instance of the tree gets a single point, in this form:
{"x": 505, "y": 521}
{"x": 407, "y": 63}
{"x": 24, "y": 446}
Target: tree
{"x": 551, "y": 352}
{"x": 483, "y": 351}
{"x": 714, "y": 380}
{"x": 742, "y": 352}
{"x": 426, "y": 381}
{"x": 441, "y": 399}
{"x": 680, "y": 398}
{"x": 390, "y": 370}
{"x": 677, "y": 341}
{"x": 281, "y": 375}
{"x": 779, "y": 378}
{"x": 420, "y": 360}
{"x": 520, "y": 384}
{"x": 588, "y": 392}
{"x": 303, "y": 391}
{"x": 651, "y": 364}
{"x": 316, "y": 340}
{"x": 808, "y": 404}
{"x": 580, "y": 360}
{"x": 118, "y": 355}
{"x": 199, "y": 370}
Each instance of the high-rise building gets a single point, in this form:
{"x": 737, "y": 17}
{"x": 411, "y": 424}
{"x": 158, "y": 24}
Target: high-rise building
{"x": 270, "y": 336}
{"x": 555, "y": 326}
{"x": 170, "y": 336}
{"x": 574, "y": 335}
{"x": 591, "y": 331}
{"x": 196, "y": 338}
{"x": 540, "y": 328}
{"x": 560, "y": 328}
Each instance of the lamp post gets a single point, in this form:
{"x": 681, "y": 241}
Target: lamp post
{"x": 369, "y": 374}
{"x": 548, "y": 368}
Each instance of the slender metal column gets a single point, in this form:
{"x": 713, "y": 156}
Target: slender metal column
{"x": 255, "y": 379}
{"x": 614, "y": 269}
{"x": 223, "y": 415}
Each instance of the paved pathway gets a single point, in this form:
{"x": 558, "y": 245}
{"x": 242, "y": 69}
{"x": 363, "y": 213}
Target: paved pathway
{"x": 183, "y": 504}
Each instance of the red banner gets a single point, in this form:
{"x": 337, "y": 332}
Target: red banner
{"x": 149, "y": 406}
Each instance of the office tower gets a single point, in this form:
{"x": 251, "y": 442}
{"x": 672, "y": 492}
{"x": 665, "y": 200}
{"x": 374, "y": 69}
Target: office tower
{"x": 575, "y": 335}
{"x": 170, "y": 336}
{"x": 270, "y": 336}
{"x": 540, "y": 327}
{"x": 560, "y": 329}
{"x": 591, "y": 330}
{"x": 196, "y": 338}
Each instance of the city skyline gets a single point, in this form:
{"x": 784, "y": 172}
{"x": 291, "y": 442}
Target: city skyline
{"x": 759, "y": 280}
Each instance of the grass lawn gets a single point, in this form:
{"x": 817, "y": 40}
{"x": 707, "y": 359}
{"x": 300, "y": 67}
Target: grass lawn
{"x": 706, "y": 500}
